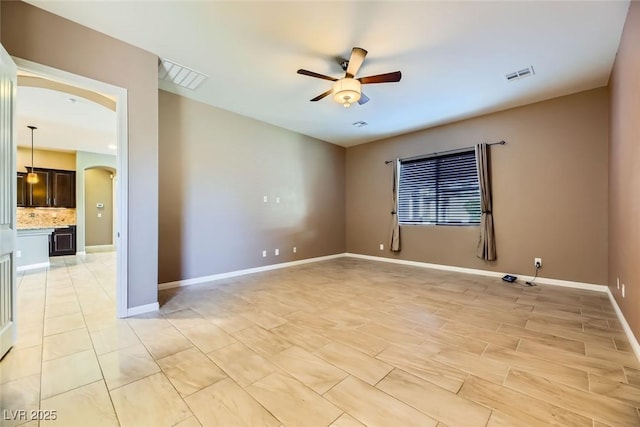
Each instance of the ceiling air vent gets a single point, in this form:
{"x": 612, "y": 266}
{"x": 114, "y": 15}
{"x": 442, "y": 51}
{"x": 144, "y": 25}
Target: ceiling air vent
{"x": 360, "y": 124}
{"x": 521, "y": 74}
{"x": 180, "y": 75}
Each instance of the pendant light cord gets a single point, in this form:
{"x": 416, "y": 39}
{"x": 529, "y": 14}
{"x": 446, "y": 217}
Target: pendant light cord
{"x": 32, "y": 129}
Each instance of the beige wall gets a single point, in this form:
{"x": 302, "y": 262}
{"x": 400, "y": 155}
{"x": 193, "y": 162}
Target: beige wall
{"x": 549, "y": 191}
{"x": 624, "y": 176}
{"x": 216, "y": 166}
{"x": 45, "y": 159}
{"x": 98, "y": 187}
{"x": 33, "y": 34}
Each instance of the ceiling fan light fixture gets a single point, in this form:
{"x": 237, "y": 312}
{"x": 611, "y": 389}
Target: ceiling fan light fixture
{"x": 346, "y": 91}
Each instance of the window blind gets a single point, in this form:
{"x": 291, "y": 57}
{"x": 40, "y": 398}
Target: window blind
{"x": 441, "y": 190}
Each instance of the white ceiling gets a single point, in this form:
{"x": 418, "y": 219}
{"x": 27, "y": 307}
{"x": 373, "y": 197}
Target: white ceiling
{"x": 79, "y": 125}
{"x": 453, "y": 55}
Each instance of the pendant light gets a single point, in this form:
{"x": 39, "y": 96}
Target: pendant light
{"x": 32, "y": 177}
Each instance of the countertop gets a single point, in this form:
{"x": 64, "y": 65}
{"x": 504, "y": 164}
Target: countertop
{"x": 43, "y": 227}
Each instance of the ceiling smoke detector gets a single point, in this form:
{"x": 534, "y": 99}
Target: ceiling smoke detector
{"x": 521, "y": 74}
{"x": 180, "y": 75}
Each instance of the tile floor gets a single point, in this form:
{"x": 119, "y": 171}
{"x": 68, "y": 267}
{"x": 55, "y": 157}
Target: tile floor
{"x": 339, "y": 343}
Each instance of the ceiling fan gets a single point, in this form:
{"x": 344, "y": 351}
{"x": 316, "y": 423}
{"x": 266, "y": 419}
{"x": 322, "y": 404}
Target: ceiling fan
{"x": 347, "y": 90}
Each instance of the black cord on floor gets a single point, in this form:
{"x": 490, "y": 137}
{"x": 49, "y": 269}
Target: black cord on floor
{"x": 532, "y": 282}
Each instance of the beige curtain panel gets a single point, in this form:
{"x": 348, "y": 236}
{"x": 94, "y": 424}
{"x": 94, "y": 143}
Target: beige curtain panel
{"x": 394, "y": 243}
{"x": 487, "y": 243}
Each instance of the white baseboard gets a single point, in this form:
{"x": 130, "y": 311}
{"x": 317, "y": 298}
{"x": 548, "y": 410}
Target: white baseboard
{"x": 33, "y": 266}
{"x": 543, "y": 280}
{"x": 100, "y": 248}
{"x": 141, "y": 309}
{"x": 213, "y": 277}
{"x": 625, "y": 325}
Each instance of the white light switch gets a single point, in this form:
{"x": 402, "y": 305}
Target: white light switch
{"x": 276, "y": 252}
{"x": 277, "y": 199}
{"x": 265, "y": 199}
{"x": 99, "y": 215}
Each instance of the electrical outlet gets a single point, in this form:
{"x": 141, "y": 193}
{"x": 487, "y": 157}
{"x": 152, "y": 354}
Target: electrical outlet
{"x": 623, "y": 290}
{"x": 277, "y": 199}
{"x": 295, "y": 249}
{"x": 276, "y": 252}
{"x": 537, "y": 262}
{"x": 265, "y": 199}
{"x": 264, "y": 254}
{"x": 381, "y": 247}
{"x": 618, "y": 282}
{"x": 18, "y": 254}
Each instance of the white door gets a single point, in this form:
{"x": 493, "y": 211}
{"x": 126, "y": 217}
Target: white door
{"x": 8, "y": 81}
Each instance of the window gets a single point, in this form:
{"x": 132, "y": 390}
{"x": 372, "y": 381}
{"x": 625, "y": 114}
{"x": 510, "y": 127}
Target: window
{"x": 441, "y": 190}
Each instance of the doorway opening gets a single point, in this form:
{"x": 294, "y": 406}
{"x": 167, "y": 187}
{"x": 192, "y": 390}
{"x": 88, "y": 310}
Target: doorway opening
{"x": 83, "y": 89}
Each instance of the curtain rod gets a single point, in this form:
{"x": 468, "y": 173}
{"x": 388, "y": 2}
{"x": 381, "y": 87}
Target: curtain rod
{"x": 458, "y": 150}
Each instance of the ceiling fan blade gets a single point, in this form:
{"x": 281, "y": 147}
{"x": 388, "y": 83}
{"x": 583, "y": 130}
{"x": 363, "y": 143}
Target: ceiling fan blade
{"x": 319, "y": 97}
{"x": 357, "y": 57}
{"x": 363, "y": 98}
{"x": 382, "y": 78}
{"x": 312, "y": 74}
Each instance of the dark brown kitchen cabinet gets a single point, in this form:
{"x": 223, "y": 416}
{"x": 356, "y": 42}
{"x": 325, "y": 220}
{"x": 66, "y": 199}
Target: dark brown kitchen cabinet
{"x": 63, "y": 241}
{"x": 39, "y": 194}
{"x": 63, "y": 184}
{"x": 21, "y": 193}
{"x": 54, "y": 189}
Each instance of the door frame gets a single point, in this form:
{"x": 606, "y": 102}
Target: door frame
{"x": 9, "y": 309}
{"x": 122, "y": 207}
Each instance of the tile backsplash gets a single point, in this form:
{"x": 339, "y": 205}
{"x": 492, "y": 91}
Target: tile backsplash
{"x": 44, "y": 217}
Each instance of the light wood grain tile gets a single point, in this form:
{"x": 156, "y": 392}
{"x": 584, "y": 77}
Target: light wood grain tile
{"x": 242, "y": 364}
{"x": 481, "y": 334}
{"x": 571, "y": 334}
{"x": 600, "y": 408}
{"x": 544, "y": 338}
{"x": 346, "y": 420}
{"x": 514, "y": 408}
{"x": 624, "y": 358}
{"x": 625, "y": 393}
{"x": 540, "y": 366}
{"x": 449, "y": 333}
{"x": 356, "y": 363}
{"x": 190, "y": 370}
{"x": 309, "y": 369}
{"x": 301, "y": 337}
{"x": 373, "y": 407}
{"x": 418, "y": 361}
{"x": 442, "y": 405}
{"x": 202, "y": 333}
{"x": 595, "y": 365}
{"x": 224, "y": 403}
{"x": 126, "y": 365}
{"x": 262, "y": 341}
{"x": 293, "y": 403}
{"x": 113, "y": 338}
{"x": 632, "y": 375}
{"x": 159, "y": 336}
{"x": 359, "y": 340}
